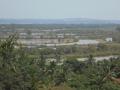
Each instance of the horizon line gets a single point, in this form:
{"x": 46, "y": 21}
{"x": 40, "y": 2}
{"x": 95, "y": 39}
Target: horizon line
{"x": 57, "y": 18}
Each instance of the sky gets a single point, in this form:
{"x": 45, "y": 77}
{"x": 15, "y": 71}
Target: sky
{"x": 57, "y": 9}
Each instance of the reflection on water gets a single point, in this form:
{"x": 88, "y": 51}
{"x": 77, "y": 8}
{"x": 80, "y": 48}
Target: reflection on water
{"x": 87, "y": 41}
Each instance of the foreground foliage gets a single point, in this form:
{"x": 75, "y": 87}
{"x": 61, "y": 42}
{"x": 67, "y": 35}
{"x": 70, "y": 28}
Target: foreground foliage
{"x": 19, "y": 71}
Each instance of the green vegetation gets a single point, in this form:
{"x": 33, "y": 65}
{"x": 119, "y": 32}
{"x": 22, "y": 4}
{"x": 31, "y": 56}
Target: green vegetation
{"x": 20, "y": 71}
{"x": 24, "y": 68}
{"x": 83, "y": 31}
{"x": 76, "y": 51}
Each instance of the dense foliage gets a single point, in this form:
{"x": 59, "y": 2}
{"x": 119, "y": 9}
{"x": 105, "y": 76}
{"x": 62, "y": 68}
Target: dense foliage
{"x": 20, "y": 71}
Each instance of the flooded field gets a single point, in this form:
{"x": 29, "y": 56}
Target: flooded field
{"x": 54, "y": 42}
{"x": 101, "y": 58}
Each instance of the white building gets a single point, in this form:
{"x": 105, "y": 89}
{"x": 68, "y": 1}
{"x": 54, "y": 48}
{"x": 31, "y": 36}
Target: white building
{"x": 60, "y": 35}
{"x": 109, "y": 39}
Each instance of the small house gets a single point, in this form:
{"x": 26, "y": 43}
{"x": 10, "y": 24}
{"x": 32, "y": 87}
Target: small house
{"x": 109, "y": 39}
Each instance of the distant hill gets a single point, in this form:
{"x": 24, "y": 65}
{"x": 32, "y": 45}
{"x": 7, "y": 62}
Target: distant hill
{"x": 58, "y": 21}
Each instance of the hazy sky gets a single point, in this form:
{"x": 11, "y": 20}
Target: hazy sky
{"x": 100, "y": 9}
